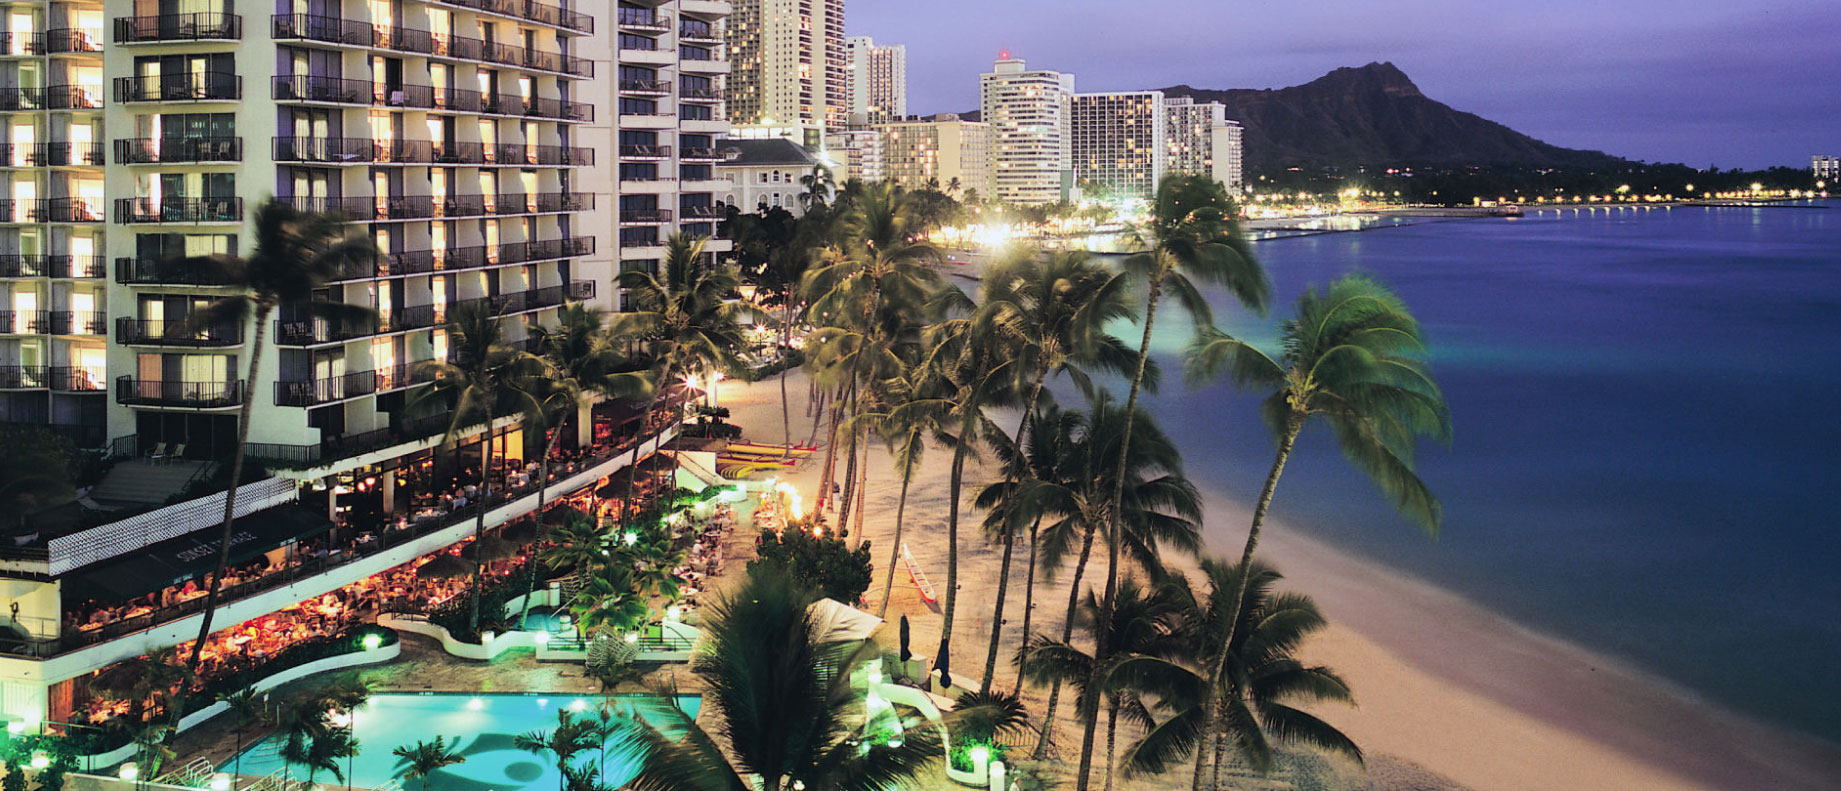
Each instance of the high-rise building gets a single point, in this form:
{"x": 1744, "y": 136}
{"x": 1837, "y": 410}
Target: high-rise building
{"x": 1118, "y": 141}
{"x": 858, "y": 152}
{"x": 469, "y": 140}
{"x": 1031, "y": 156}
{"x": 942, "y": 152}
{"x": 789, "y": 65}
{"x": 1202, "y": 140}
{"x": 878, "y": 80}
{"x": 1825, "y": 167}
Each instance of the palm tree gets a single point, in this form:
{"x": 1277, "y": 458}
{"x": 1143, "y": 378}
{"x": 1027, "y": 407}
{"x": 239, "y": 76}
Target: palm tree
{"x": 1193, "y": 231}
{"x": 781, "y": 711}
{"x": 1239, "y": 667}
{"x": 579, "y": 544}
{"x": 295, "y": 253}
{"x": 581, "y": 362}
{"x": 426, "y": 757}
{"x": 571, "y": 737}
{"x": 1353, "y": 357}
{"x": 906, "y": 426}
{"x": 818, "y": 186}
{"x": 481, "y": 379}
{"x": 34, "y": 472}
{"x": 613, "y": 599}
{"x": 685, "y": 317}
{"x": 311, "y": 740}
{"x": 246, "y": 707}
{"x": 1146, "y": 621}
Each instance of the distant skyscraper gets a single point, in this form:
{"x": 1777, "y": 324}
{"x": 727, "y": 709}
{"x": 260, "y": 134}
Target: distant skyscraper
{"x": 878, "y": 79}
{"x": 1202, "y": 140}
{"x": 1825, "y": 167}
{"x": 859, "y": 151}
{"x": 943, "y": 151}
{"x": 788, "y": 64}
{"x": 1118, "y": 141}
{"x": 1028, "y": 113}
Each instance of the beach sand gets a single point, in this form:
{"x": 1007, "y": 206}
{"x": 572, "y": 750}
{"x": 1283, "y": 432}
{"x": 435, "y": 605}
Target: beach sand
{"x": 1448, "y": 693}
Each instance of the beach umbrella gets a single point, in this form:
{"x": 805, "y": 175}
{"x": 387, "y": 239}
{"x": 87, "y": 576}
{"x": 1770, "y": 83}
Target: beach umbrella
{"x": 521, "y": 532}
{"x": 494, "y": 549}
{"x": 444, "y": 567}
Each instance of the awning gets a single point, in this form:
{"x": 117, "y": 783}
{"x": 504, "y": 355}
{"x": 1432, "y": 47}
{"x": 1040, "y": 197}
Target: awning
{"x": 190, "y": 556}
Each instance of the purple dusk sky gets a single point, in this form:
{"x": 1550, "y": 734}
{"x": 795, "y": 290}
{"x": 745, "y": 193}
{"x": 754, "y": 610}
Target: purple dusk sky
{"x": 1733, "y": 83}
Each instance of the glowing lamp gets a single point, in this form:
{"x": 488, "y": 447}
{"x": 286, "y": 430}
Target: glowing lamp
{"x": 129, "y": 772}
{"x": 997, "y": 773}
{"x": 486, "y": 637}
{"x": 542, "y": 638}
{"x": 632, "y": 637}
{"x": 220, "y": 783}
{"x": 40, "y": 760}
{"x": 578, "y": 705}
{"x": 630, "y": 538}
{"x": 475, "y": 704}
{"x": 981, "y": 758}
{"x": 674, "y": 613}
{"x": 373, "y": 641}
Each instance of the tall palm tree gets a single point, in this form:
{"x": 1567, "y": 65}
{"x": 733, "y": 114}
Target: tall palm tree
{"x": 246, "y": 707}
{"x": 685, "y": 317}
{"x": 781, "y": 710}
{"x": 581, "y": 362}
{"x": 572, "y": 736}
{"x": 310, "y": 739}
{"x": 295, "y": 253}
{"x": 1146, "y": 621}
{"x": 481, "y": 379}
{"x": 1193, "y": 231}
{"x": 1236, "y": 622}
{"x": 425, "y": 758}
{"x": 818, "y": 187}
{"x": 905, "y": 427}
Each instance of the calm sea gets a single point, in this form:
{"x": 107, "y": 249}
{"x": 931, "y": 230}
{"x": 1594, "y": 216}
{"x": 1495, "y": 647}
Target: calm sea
{"x": 1648, "y": 446}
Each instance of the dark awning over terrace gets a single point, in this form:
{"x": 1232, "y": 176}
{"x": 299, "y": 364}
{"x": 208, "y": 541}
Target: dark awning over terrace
{"x": 174, "y": 561}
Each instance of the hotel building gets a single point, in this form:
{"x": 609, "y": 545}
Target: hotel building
{"x": 788, "y": 65}
{"x": 941, "y": 152}
{"x": 505, "y": 153}
{"x": 1119, "y": 141}
{"x": 1202, "y": 140}
{"x": 1825, "y": 167}
{"x": 858, "y": 154}
{"x": 878, "y": 80}
{"x": 1031, "y": 154}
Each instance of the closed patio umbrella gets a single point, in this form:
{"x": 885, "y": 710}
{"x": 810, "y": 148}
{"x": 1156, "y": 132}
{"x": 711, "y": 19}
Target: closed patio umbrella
{"x": 444, "y": 567}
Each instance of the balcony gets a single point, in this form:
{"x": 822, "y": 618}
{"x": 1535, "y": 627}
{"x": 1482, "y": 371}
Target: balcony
{"x": 77, "y": 266}
{"x": 73, "y": 97}
{"x": 18, "y": 265}
{"x": 335, "y": 90}
{"x": 413, "y": 262}
{"x": 316, "y": 332}
{"x": 692, "y": 213}
{"x": 178, "y": 210}
{"x": 70, "y": 155}
{"x": 164, "y": 272}
{"x": 644, "y": 216}
{"x": 700, "y": 95}
{"x": 701, "y": 33}
{"x": 195, "y": 395}
{"x": 642, "y": 20}
{"x": 543, "y": 13}
{"x": 178, "y": 27}
{"x": 357, "y": 33}
{"x": 79, "y": 322}
{"x": 325, "y": 391}
{"x": 75, "y": 379}
{"x": 69, "y": 210}
{"x": 638, "y": 87}
{"x": 25, "y": 322}
{"x": 24, "y": 377}
{"x": 184, "y": 87}
{"x": 176, "y": 150}
{"x": 16, "y": 99}
{"x": 159, "y": 332}
{"x": 701, "y": 154}
{"x": 68, "y": 40}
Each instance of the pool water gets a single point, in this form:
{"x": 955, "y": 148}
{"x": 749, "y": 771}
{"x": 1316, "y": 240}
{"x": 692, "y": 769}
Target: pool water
{"x": 479, "y": 727}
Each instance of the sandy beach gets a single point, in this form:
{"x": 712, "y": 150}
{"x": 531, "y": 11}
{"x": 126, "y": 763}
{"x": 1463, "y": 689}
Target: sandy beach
{"x": 1449, "y": 693}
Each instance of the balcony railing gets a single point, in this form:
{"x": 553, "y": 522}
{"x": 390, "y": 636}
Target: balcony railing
{"x": 688, "y": 213}
{"x": 79, "y": 322}
{"x": 701, "y": 154}
{"x": 699, "y": 34}
{"x": 336, "y": 90}
{"x": 182, "y": 87}
{"x": 15, "y": 99}
{"x": 327, "y": 390}
{"x": 76, "y": 379}
{"x": 700, "y": 94}
{"x": 178, "y": 27}
{"x": 17, "y": 265}
{"x": 534, "y": 11}
{"x": 25, "y": 322}
{"x": 313, "y": 332}
{"x": 643, "y": 20}
{"x": 178, "y": 210}
{"x": 646, "y": 87}
{"x": 72, "y": 39}
{"x": 197, "y": 395}
{"x": 152, "y": 271}
{"x": 644, "y": 216}
{"x": 24, "y": 377}
{"x": 356, "y": 33}
{"x": 78, "y": 266}
{"x": 68, "y": 154}
{"x": 413, "y": 262}
{"x": 162, "y": 150}
{"x": 74, "y": 97}
{"x": 69, "y": 210}
{"x": 160, "y": 332}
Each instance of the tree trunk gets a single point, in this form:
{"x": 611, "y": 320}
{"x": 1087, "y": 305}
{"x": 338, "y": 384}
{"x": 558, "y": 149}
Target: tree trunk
{"x": 1112, "y": 733}
{"x": 997, "y": 616}
{"x": 786, "y": 332}
{"x": 825, "y": 477}
{"x": 940, "y": 658}
{"x": 1029, "y": 595}
{"x": 1116, "y": 508}
{"x": 1067, "y": 633}
{"x": 901, "y": 508}
{"x": 853, "y": 438}
{"x": 543, "y": 489}
{"x": 645, "y": 423}
{"x": 230, "y": 514}
{"x": 1212, "y": 724}
{"x": 479, "y": 524}
{"x": 862, "y": 492}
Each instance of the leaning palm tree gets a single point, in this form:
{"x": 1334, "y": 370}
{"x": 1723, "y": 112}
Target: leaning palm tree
{"x": 1353, "y": 358}
{"x": 572, "y": 736}
{"x": 905, "y": 427}
{"x": 482, "y": 379}
{"x": 295, "y": 253}
{"x": 685, "y": 317}
{"x": 1194, "y": 232}
{"x": 1238, "y": 668}
{"x": 782, "y": 711}
{"x": 425, "y": 758}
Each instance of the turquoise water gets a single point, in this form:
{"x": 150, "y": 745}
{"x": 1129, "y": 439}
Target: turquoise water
{"x": 481, "y": 727}
{"x": 1647, "y": 456}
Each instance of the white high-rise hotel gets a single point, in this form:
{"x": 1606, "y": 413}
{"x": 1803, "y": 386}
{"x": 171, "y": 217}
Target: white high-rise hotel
{"x": 1119, "y": 141}
{"x": 1031, "y": 155}
{"x": 788, "y": 65}
{"x": 878, "y": 80}
{"x": 506, "y": 153}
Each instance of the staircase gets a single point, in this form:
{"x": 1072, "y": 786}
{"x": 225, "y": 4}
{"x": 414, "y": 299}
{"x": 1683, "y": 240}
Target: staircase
{"x": 139, "y": 483}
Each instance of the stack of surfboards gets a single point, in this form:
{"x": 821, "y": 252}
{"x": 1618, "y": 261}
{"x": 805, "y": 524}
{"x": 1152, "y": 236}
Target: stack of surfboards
{"x": 740, "y": 459}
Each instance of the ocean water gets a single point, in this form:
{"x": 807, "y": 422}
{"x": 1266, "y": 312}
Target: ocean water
{"x": 1647, "y": 457}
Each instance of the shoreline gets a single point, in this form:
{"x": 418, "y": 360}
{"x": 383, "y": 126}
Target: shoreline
{"x": 1440, "y": 681}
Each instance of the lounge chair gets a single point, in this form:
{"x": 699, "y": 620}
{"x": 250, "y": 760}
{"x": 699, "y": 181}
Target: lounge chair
{"x": 178, "y": 451}
{"x": 158, "y": 454}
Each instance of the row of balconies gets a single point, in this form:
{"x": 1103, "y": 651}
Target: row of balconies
{"x": 543, "y": 13}
{"x": 57, "y": 266}
{"x": 22, "y": 210}
{"x": 645, "y": 21}
{"x": 154, "y": 272}
{"x": 31, "y": 155}
{"x": 55, "y": 97}
{"x": 54, "y": 322}
{"x": 62, "y": 378}
{"x": 429, "y": 207}
{"x": 358, "y": 33}
{"x": 196, "y": 395}
{"x": 178, "y": 27}
{"x": 314, "y": 392}
{"x": 176, "y": 150}
{"x": 364, "y": 150}
{"x": 57, "y": 41}
{"x": 181, "y": 87}
{"x": 337, "y": 90}
{"x": 650, "y": 152}
{"x": 312, "y": 332}
{"x": 178, "y": 210}
{"x": 162, "y": 332}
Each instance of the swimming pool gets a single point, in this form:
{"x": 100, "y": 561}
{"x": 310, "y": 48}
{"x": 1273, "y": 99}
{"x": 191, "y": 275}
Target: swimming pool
{"x": 480, "y": 727}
